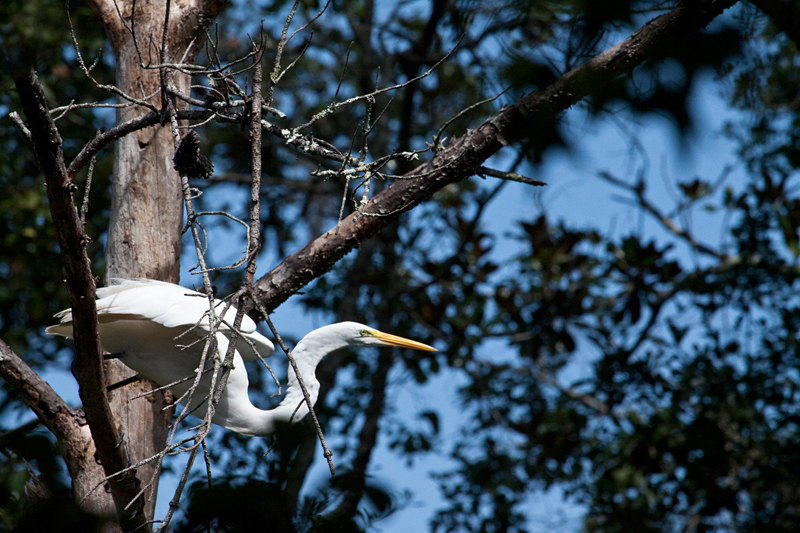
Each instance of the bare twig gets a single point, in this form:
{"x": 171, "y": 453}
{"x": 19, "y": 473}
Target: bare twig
{"x": 344, "y": 69}
{"x": 248, "y": 229}
{"x": 255, "y": 134}
{"x": 87, "y": 189}
{"x": 511, "y": 176}
{"x": 276, "y": 73}
{"x": 437, "y": 139}
{"x": 255, "y": 219}
{"x": 325, "y": 450}
{"x": 20, "y": 124}
{"x": 210, "y": 347}
{"x": 62, "y": 110}
{"x": 337, "y": 105}
{"x": 88, "y": 71}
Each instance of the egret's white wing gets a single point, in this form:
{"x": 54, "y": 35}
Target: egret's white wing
{"x": 174, "y": 306}
{"x": 166, "y": 303}
{"x": 170, "y": 306}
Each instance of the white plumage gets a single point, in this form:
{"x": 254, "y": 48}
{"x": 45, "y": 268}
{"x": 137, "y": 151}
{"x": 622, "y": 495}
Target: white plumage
{"x": 160, "y": 329}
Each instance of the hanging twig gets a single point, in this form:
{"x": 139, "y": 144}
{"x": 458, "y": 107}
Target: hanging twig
{"x": 87, "y": 189}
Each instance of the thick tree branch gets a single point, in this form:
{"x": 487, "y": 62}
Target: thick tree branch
{"x": 61, "y": 419}
{"x": 465, "y": 155}
{"x": 72, "y": 241}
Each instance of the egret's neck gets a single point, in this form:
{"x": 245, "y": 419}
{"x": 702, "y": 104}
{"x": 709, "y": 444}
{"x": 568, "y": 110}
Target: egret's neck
{"x": 244, "y": 417}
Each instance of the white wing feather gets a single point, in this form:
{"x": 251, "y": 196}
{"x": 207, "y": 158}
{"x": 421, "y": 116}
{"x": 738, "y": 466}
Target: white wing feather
{"x": 171, "y": 306}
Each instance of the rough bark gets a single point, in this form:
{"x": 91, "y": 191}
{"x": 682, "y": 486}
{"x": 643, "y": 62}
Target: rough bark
{"x": 146, "y": 211}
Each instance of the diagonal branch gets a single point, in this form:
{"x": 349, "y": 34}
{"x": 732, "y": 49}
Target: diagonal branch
{"x": 465, "y": 155}
{"x": 72, "y": 241}
{"x": 61, "y": 419}
{"x": 638, "y": 190}
{"x": 119, "y": 131}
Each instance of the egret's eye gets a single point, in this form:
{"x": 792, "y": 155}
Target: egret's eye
{"x": 365, "y": 333}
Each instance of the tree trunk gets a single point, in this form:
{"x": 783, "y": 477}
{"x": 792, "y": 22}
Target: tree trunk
{"x": 85, "y": 478}
{"x": 143, "y": 242}
{"x": 144, "y": 236}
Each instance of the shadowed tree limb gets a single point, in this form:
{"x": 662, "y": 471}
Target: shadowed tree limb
{"x": 355, "y": 479}
{"x": 72, "y": 241}
{"x": 52, "y": 411}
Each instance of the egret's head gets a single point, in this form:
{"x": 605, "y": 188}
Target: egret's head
{"x": 372, "y": 337}
{"x": 336, "y": 336}
{"x": 355, "y": 334}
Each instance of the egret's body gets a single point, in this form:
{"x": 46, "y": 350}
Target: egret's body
{"x": 159, "y": 330}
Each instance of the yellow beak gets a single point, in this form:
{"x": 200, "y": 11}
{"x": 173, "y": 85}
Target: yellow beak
{"x": 394, "y": 340}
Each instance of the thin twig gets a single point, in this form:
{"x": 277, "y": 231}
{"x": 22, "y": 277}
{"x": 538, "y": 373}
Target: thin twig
{"x": 336, "y": 105}
{"x": 17, "y": 120}
{"x": 512, "y": 176}
{"x": 88, "y": 73}
{"x": 87, "y": 189}
{"x": 437, "y": 139}
{"x": 344, "y": 70}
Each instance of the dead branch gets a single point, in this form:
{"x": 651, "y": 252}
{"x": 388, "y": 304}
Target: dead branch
{"x": 325, "y": 450}
{"x": 72, "y": 241}
{"x": 117, "y": 132}
{"x": 52, "y": 411}
{"x": 511, "y": 176}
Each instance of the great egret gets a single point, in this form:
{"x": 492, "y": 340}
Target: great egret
{"x": 150, "y": 323}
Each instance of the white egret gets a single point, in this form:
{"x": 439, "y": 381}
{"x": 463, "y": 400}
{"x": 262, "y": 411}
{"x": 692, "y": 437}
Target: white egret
{"x": 149, "y": 324}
